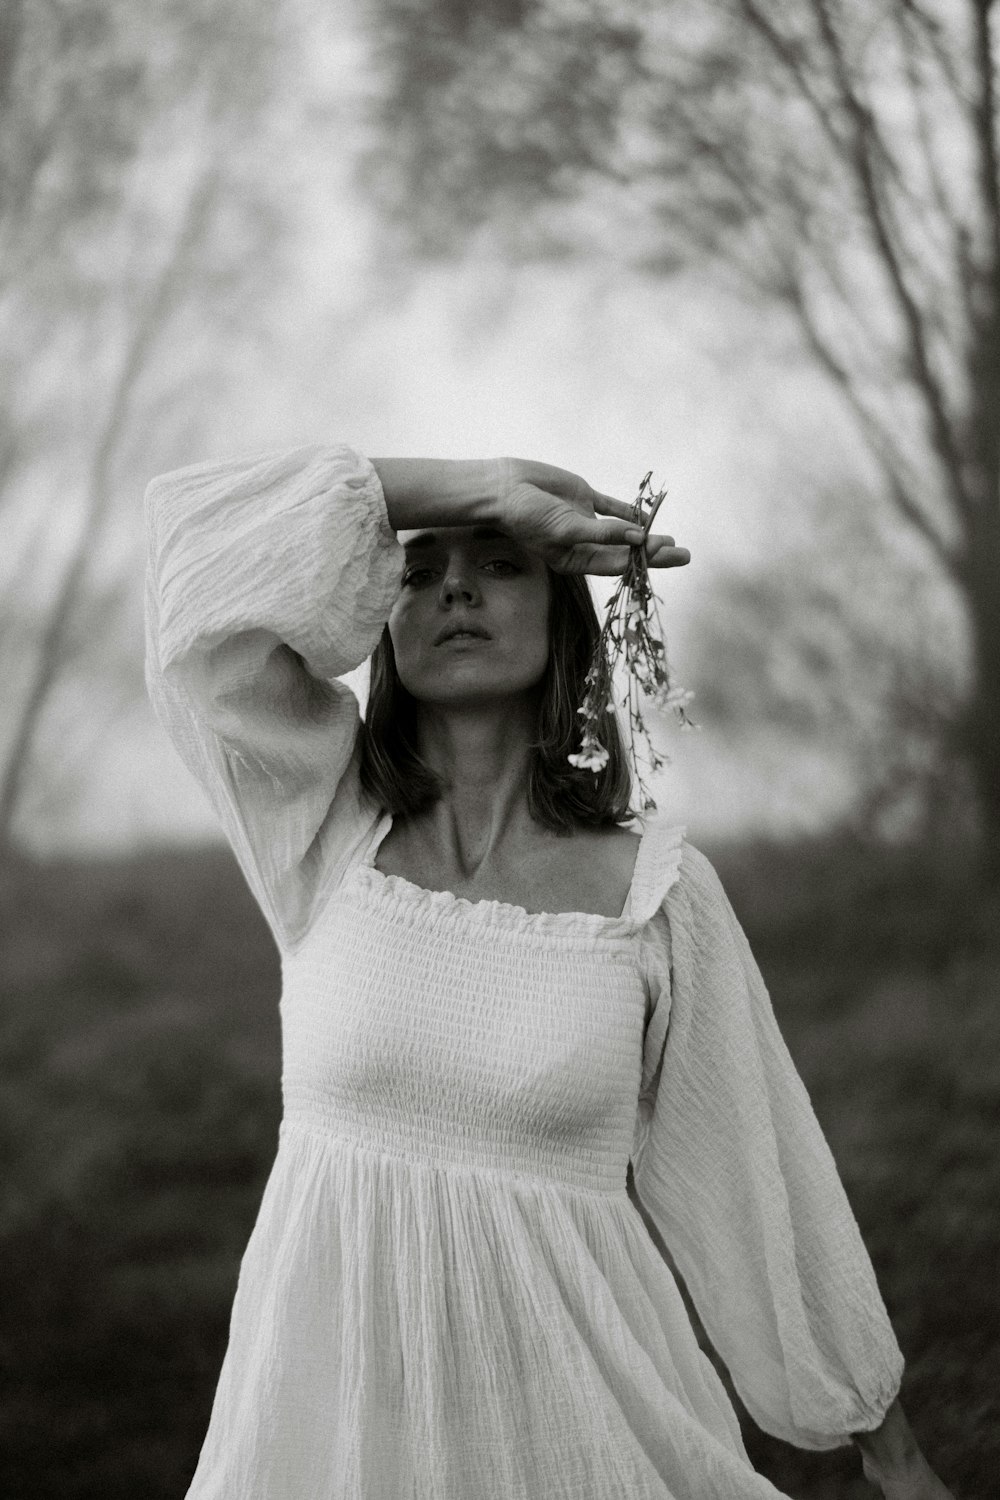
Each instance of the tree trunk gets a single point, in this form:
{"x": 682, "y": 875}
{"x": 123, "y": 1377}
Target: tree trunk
{"x": 982, "y": 579}
{"x": 983, "y": 723}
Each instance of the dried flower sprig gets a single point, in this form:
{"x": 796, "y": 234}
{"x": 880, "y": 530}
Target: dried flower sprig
{"x": 632, "y": 630}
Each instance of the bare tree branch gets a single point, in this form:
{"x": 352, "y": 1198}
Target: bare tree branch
{"x": 793, "y": 62}
{"x": 931, "y": 29}
{"x": 924, "y": 376}
{"x": 956, "y": 240}
{"x": 985, "y": 117}
{"x": 946, "y": 210}
{"x": 890, "y": 460}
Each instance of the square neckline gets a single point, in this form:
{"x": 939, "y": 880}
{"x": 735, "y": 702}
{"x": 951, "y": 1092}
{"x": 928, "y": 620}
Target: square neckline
{"x": 410, "y": 890}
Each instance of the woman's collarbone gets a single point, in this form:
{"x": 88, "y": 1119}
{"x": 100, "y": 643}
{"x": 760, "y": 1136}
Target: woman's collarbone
{"x": 588, "y": 872}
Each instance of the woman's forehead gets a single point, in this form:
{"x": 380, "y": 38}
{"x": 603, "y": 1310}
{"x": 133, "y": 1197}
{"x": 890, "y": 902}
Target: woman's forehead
{"x": 447, "y": 536}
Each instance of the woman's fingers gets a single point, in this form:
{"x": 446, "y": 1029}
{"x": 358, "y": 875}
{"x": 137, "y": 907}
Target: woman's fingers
{"x": 582, "y": 530}
{"x": 605, "y": 561}
{"x": 607, "y": 505}
{"x": 573, "y": 541}
{"x": 517, "y": 480}
{"x": 663, "y": 554}
{"x": 661, "y": 551}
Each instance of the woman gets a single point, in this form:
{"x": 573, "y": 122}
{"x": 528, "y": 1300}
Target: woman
{"x": 495, "y": 997}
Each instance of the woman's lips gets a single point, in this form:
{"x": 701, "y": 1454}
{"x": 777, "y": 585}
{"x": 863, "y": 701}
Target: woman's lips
{"x": 462, "y": 638}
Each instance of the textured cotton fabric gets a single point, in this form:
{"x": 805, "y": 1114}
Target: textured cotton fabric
{"x": 448, "y": 1294}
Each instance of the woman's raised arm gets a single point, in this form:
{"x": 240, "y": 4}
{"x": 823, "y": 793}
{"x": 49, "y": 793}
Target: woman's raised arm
{"x": 574, "y": 527}
{"x": 267, "y": 579}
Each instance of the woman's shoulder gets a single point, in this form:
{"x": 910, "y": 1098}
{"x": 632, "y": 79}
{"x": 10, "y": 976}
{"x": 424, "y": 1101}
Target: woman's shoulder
{"x": 601, "y": 862}
{"x": 610, "y": 842}
{"x": 656, "y": 847}
{"x": 699, "y": 905}
{"x": 697, "y": 875}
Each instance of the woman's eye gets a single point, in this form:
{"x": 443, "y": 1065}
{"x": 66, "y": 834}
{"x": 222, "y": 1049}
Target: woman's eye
{"x": 417, "y": 575}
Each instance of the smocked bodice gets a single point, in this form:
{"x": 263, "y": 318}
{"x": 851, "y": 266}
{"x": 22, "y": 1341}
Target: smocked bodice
{"x": 428, "y": 1028}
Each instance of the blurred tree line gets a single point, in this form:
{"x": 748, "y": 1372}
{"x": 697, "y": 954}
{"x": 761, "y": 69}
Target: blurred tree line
{"x": 141, "y": 226}
{"x": 833, "y": 164}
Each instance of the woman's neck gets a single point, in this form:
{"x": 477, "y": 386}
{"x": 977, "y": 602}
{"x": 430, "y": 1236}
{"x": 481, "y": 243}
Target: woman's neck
{"x": 481, "y": 755}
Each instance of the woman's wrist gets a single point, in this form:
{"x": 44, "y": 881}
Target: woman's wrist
{"x": 890, "y": 1448}
{"x": 438, "y": 491}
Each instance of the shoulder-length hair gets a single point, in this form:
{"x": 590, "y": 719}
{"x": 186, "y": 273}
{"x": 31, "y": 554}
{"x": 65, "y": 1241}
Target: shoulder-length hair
{"x": 560, "y": 796}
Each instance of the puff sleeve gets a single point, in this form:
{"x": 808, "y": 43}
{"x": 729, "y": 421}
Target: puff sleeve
{"x": 267, "y": 579}
{"x": 731, "y": 1165}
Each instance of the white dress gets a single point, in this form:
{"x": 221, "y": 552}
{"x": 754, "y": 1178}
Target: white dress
{"x": 448, "y": 1294}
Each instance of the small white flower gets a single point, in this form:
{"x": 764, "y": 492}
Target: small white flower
{"x": 592, "y": 757}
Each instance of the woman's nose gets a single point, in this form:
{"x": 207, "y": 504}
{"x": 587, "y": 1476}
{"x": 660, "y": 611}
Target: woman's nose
{"x": 456, "y": 585}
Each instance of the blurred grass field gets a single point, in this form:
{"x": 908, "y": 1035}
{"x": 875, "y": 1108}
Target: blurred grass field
{"x": 140, "y": 1106}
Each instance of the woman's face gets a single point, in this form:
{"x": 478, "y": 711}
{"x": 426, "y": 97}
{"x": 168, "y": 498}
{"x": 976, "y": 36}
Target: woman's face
{"x": 479, "y": 578}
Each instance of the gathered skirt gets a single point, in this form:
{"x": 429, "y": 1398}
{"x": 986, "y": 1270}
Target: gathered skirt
{"x": 407, "y": 1332}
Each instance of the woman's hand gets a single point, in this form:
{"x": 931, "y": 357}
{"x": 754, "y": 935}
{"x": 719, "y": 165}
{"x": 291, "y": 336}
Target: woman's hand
{"x": 891, "y": 1458}
{"x": 917, "y": 1481}
{"x": 573, "y": 527}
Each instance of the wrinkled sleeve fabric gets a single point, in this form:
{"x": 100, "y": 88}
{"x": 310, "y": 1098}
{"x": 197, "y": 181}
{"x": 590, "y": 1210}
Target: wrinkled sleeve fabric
{"x": 732, "y": 1167}
{"x": 268, "y": 579}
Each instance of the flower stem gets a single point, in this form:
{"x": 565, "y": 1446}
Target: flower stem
{"x": 631, "y": 630}
{"x": 652, "y": 514}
